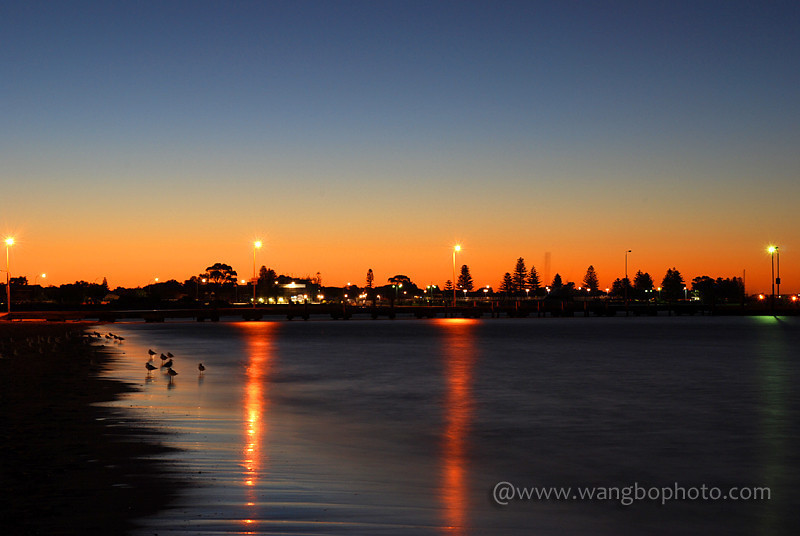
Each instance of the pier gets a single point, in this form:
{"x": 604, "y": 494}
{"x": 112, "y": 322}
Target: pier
{"x": 340, "y": 311}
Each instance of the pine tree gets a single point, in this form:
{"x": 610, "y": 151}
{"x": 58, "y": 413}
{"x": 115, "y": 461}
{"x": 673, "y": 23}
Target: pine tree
{"x": 465, "y": 279}
{"x": 533, "y": 280}
{"x": 590, "y": 279}
{"x": 507, "y": 285}
{"x": 557, "y": 283}
{"x": 370, "y": 278}
{"x": 519, "y": 276}
{"x": 448, "y": 285}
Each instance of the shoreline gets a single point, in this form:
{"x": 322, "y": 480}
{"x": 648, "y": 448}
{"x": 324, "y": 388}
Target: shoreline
{"x": 68, "y": 465}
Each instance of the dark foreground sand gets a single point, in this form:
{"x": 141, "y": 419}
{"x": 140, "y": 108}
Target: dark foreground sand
{"x": 67, "y": 466}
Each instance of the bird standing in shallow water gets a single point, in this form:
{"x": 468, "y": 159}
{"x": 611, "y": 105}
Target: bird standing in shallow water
{"x": 149, "y": 366}
{"x": 171, "y": 373}
{"x": 151, "y": 353}
{"x": 201, "y": 368}
{"x": 167, "y": 364}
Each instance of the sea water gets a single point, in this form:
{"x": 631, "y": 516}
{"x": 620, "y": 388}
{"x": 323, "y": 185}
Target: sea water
{"x": 463, "y": 426}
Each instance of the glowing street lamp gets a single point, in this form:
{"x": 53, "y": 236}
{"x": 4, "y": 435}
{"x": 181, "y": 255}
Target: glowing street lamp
{"x": 772, "y": 250}
{"x": 256, "y": 246}
{"x": 775, "y": 252}
{"x": 9, "y": 243}
{"x": 38, "y": 276}
{"x": 456, "y": 249}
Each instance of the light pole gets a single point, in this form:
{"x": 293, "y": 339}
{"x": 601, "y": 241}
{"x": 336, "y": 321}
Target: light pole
{"x": 456, "y": 249}
{"x": 772, "y": 250}
{"x": 256, "y": 246}
{"x": 9, "y": 243}
{"x": 626, "y": 281}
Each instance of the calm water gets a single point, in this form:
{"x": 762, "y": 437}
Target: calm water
{"x": 404, "y": 427}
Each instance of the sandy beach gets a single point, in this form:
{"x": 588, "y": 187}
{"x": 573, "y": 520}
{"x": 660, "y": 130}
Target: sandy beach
{"x": 67, "y": 465}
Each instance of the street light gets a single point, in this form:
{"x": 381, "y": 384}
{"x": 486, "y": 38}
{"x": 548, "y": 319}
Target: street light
{"x": 626, "y": 281}
{"x": 9, "y": 243}
{"x": 37, "y": 277}
{"x": 256, "y": 246}
{"x": 776, "y": 251}
{"x": 456, "y": 249}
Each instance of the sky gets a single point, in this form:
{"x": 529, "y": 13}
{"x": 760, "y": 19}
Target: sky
{"x": 152, "y": 139}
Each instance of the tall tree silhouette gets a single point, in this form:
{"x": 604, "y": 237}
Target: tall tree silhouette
{"x": 557, "y": 283}
{"x": 370, "y": 278}
{"x": 519, "y": 277}
{"x": 507, "y": 285}
{"x": 672, "y": 285}
{"x": 465, "y": 279}
{"x": 590, "y": 280}
{"x": 533, "y": 281}
{"x": 643, "y": 285}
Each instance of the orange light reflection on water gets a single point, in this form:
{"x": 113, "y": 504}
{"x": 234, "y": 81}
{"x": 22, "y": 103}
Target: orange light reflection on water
{"x": 258, "y": 338}
{"x": 459, "y": 359}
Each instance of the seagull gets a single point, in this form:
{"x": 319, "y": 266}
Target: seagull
{"x": 167, "y": 364}
{"x": 201, "y": 368}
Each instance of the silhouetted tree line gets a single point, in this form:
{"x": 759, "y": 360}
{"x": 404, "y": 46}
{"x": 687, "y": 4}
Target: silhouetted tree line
{"x": 219, "y": 282}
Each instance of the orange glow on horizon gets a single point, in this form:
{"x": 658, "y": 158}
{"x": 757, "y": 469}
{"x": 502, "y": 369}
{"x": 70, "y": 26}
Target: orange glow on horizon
{"x": 129, "y": 259}
{"x": 458, "y": 346}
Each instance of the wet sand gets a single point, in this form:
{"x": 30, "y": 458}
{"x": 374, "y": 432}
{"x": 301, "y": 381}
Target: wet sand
{"x": 68, "y": 466}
